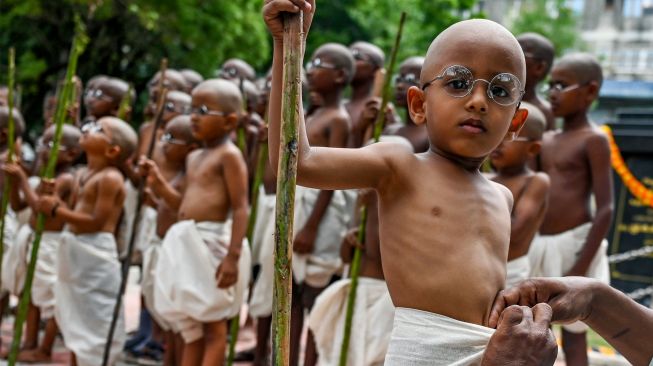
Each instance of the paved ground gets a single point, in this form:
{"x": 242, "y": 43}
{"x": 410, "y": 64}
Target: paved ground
{"x": 601, "y": 356}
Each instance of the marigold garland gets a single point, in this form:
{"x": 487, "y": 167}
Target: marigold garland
{"x": 635, "y": 187}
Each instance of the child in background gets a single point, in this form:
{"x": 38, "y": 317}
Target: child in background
{"x": 539, "y": 53}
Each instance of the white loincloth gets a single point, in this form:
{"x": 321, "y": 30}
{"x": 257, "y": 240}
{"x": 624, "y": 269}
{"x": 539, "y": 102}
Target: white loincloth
{"x": 423, "y": 338}
{"x": 85, "y": 293}
{"x": 127, "y": 219}
{"x": 555, "y": 255}
{"x": 517, "y": 270}
{"x": 14, "y": 263}
{"x": 150, "y": 259}
{"x": 317, "y": 268}
{"x": 185, "y": 289}
{"x": 45, "y": 272}
{"x": 146, "y": 229}
{"x": 260, "y": 304}
{"x": 371, "y": 325}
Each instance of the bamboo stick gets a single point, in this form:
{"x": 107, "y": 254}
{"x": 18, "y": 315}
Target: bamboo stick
{"x": 10, "y": 153}
{"x": 125, "y": 103}
{"x": 241, "y": 137}
{"x": 137, "y": 217}
{"x": 356, "y": 260}
{"x": 286, "y": 181}
{"x": 80, "y": 40}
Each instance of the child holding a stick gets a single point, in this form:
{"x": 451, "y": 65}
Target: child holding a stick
{"x": 89, "y": 270}
{"x": 444, "y": 227}
{"x": 42, "y": 302}
{"x": 202, "y": 284}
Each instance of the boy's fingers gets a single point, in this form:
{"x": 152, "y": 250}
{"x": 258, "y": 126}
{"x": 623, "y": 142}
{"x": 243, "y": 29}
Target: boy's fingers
{"x": 274, "y": 7}
{"x": 542, "y": 314}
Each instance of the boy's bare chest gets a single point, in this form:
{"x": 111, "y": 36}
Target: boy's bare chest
{"x": 564, "y": 155}
{"x": 204, "y": 169}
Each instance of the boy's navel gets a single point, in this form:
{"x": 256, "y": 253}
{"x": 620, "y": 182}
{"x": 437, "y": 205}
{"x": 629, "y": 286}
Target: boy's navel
{"x": 436, "y": 211}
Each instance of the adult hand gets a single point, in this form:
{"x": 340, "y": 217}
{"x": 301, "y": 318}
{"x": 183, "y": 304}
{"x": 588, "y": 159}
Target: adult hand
{"x": 523, "y": 337}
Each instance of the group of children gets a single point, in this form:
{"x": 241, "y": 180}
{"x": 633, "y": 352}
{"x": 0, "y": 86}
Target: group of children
{"x": 441, "y": 237}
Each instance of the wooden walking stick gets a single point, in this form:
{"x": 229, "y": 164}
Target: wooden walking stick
{"x": 137, "y": 216}
{"x": 286, "y": 180}
{"x": 356, "y": 261}
{"x": 10, "y": 153}
{"x": 80, "y": 40}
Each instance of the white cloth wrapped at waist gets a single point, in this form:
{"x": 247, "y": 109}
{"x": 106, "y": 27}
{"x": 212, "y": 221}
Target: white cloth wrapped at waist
{"x": 14, "y": 261}
{"x": 371, "y": 324}
{"x": 317, "y": 268}
{"x": 260, "y": 304}
{"x": 45, "y": 272}
{"x": 150, "y": 260}
{"x": 420, "y": 338}
{"x": 85, "y": 293}
{"x": 555, "y": 255}
{"x": 185, "y": 289}
{"x": 517, "y": 270}
{"x": 146, "y": 228}
{"x": 127, "y": 218}
{"x": 10, "y": 229}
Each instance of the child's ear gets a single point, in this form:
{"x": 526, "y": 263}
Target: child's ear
{"x": 416, "y": 105}
{"x": 517, "y": 123}
{"x": 231, "y": 121}
{"x": 342, "y": 77}
{"x": 113, "y": 152}
{"x": 534, "y": 148}
{"x": 592, "y": 91}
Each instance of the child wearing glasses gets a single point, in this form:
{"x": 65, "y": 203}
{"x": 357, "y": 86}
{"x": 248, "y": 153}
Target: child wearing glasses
{"x": 577, "y": 158}
{"x": 530, "y": 190}
{"x": 103, "y": 97}
{"x": 88, "y": 276}
{"x": 176, "y": 142}
{"x": 201, "y": 284}
{"x": 539, "y": 53}
{"x": 236, "y": 69}
{"x": 42, "y": 302}
{"x": 444, "y": 227}
{"x": 369, "y": 60}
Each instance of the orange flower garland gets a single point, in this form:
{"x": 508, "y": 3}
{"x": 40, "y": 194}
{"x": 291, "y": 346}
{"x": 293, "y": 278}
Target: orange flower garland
{"x": 635, "y": 187}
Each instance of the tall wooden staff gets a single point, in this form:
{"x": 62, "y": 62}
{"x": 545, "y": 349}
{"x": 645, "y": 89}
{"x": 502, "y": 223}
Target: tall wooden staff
{"x": 137, "y": 217}
{"x": 356, "y": 261}
{"x": 286, "y": 180}
{"x": 10, "y": 153}
{"x": 80, "y": 40}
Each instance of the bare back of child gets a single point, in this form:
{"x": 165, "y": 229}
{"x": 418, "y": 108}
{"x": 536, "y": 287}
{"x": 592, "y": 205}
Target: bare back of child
{"x": 529, "y": 189}
{"x": 444, "y": 228}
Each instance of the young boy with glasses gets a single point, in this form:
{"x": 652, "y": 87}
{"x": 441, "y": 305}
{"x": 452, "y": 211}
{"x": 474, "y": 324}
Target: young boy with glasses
{"x": 577, "y": 158}
{"x": 236, "y": 69}
{"x": 88, "y": 276}
{"x": 103, "y": 97}
{"x": 530, "y": 191}
{"x": 42, "y": 302}
{"x": 539, "y": 53}
{"x": 201, "y": 284}
{"x": 444, "y": 227}
{"x": 175, "y": 144}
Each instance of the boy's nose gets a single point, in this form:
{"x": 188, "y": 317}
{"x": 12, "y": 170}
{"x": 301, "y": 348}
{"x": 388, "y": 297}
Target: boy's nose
{"x": 478, "y": 98}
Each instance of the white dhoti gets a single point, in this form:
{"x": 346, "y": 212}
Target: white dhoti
{"x": 555, "y": 255}
{"x": 371, "y": 325}
{"x": 428, "y": 339}
{"x": 45, "y": 272}
{"x": 85, "y": 293}
{"x": 517, "y": 270}
{"x": 146, "y": 229}
{"x": 14, "y": 261}
{"x": 260, "y": 304}
{"x": 185, "y": 289}
{"x": 127, "y": 219}
{"x": 317, "y": 268}
{"x": 150, "y": 260}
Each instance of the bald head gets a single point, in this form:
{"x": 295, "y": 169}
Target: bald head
{"x": 19, "y": 122}
{"x": 70, "y": 136}
{"x": 413, "y": 64}
{"x": 222, "y": 93}
{"x": 540, "y": 47}
{"x": 340, "y": 56}
{"x": 179, "y": 97}
{"x": 535, "y": 123}
{"x": 369, "y": 51}
{"x": 122, "y": 135}
{"x": 174, "y": 80}
{"x": 236, "y": 68}
{"x": 192, "y": 78}
{"x": 475, "y": 40}
{"x": 585, "y": 66}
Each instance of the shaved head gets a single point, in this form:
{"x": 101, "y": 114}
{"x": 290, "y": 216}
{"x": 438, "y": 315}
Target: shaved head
{"x": 585, "y": 66}
{"x": 414, "y": 63}
{"x": 340, "y": 56}
{"x": 372, "y": 51}
{"x": 174, "y": 80}
{"x": 241, "y": 69}
{"x": 223, "y": 93}
{"x": 535, "y": 123}
{"x": 192, "y": 78}
{"x": 19, "y": 122}
{"x": 470, "y": 38}
{"x": 116, "y": 88}
{"x": 122, "y": 135}
{"x": 538, "y": 46}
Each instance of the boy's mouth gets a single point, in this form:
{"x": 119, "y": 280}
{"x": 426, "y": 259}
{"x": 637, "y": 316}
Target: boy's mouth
{"x": 472, "y": 125}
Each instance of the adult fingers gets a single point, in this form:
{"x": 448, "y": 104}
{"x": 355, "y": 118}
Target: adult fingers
{"x": 273, "y": 7}
{"x": 542, "y": 315}
{"x": 511, "y": 316}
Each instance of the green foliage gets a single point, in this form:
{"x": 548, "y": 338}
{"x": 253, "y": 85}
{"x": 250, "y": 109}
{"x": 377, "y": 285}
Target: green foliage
{"x": 347, "y": 21}
{"x": 558, "y": 23}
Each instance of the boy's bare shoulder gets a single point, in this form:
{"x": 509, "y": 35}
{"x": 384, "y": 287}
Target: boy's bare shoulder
{"x": 503, "y": 192}
{"x": 111, "y": 175}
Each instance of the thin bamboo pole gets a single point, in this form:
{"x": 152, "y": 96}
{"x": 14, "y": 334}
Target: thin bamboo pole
{"x": 137, "y": 217}
{"x": 241, "y": 137}
{"x": 80, "y": 40}
{"x": 356, "y": 260}
{"x": 125, "y": 103}
{"x": 286, "y": 181}
{"x": 10, "y": 153}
